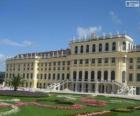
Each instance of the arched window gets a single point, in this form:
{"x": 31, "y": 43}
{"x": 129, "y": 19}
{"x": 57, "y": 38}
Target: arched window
{"x": 53, "y": 76}
{"x": 93, "y": 48}
{"x": 106, "y": 47}
{"x": 86, "y": 75}
{"x": 49, "y": 76}
{"x": 99, "y": 76}
{"x": 112, "y": 75}
{"x": 80, "y": 75}
{"x": 92, "y": 76}
{"x": 81, "y": 49}
{"x": 100, "y": 47}
{"x": 76, "y": 49}
{"x": 74, "y": 75}
{"x": 124, "y": 45}
{"x": 106, "y": 75}
{"x": 123, "y": 76}
{"x": 44, "y": 85}
{"x": 87, "y": 48}
{"x": 68, "y": 76}
{"x": 113, "y": 46}
{"x": 58, "y": 76}
{"x": 63, "y": 76}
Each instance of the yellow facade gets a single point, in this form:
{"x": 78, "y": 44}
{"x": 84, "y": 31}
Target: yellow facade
{"x": 89, "y": 65}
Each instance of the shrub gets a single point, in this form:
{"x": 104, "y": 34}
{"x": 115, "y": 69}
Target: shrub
{"x": 121, "y": 110}
{"x": 130, "y": 107}
{"x": 63, "y": 101}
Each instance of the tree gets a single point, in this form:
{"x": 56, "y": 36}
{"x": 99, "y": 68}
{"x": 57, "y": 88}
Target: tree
{"x": 16, "y": 81}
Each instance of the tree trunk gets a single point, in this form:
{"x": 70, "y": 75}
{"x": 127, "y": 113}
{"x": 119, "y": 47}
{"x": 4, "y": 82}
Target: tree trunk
{"x": 15, "y": 88}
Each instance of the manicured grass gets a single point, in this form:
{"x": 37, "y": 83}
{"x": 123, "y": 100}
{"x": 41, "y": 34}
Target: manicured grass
{"x": 49, "y": 100}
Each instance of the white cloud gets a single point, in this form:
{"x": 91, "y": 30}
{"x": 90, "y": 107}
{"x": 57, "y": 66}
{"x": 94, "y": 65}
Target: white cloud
{"x": 82, "y": 32}
{"x": 115, "y": 18}
{"x": 25, "y": 43}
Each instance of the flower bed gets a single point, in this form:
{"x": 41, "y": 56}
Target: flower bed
{"x": 91, "y": 102}
{"x": 71, "y": 107}
{"x": 94, "y": 113}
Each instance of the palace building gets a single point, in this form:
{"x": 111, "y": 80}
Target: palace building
{"x": 107, "y": 64}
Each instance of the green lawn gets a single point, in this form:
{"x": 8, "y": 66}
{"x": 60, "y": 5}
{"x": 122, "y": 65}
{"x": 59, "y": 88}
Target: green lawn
{"x": 36, "y": 111}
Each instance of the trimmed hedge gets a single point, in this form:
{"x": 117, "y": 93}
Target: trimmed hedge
{"x": 22, "y": 93}
{"x": 121, "y": 110}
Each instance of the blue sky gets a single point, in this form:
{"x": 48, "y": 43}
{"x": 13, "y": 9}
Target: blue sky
{"x": 42, "y": 25}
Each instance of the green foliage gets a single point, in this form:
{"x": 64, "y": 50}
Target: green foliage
{"x": 121, "y": 110}
{"x": 15, "y": 81}
{"x": 63, "y": 101}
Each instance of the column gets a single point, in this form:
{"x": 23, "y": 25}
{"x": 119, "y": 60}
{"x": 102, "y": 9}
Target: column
{"x": 105, "y": 88}
{"x": 96, "y": 87}
{"x": 102, "y": 75}
{"x": 82, "y": 82}
{"x": 113, "y": 88}
{"x": 109, "y": 75}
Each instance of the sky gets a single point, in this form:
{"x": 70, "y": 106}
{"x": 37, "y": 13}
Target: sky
{"x": 43, "y": 25}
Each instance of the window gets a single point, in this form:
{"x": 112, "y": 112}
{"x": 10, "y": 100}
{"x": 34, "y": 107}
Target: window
{"x": 54, "y": 63}
{"x": 138, "y": 76}
{"x": 81, "y": 61}
{"x": 86, "y": 61}
{"x": 81, "y": 49}
{"x": 100, "y": 47}
{"x": 31, "y": 75}
{"x": 53, "y": 76}
{"x": 45, "y": 76}
{"x": 93, "y": 48}
{"x": 123, "y": 76}
{"x": 113, "y": 60}
{"x": 87, "y": 48}
{"x": 106, "y": 75}
{"x": 27, "y": 75}
{"x": 130, "y": 60}
{"x": 63, "y": 62}
{"x": 58, "y": 63}
{"x": 68, "y": 76}
{"x": 92, "y": 76}
{"x": 112, "y": 75}
{"x": 63, "y": 76}
{"x": 130, "y": 77}
{"x": 99, "y": 76}
{"x": 76, "y": 49}
{"x": 58, "y": 76}
{"x": 124, "y": 60}
{"x": 49, "y": 63}
{"x": 113, "y": 46}
{"x": 74, "y": 75}
{"x": 93, "y": 61}
{"x": 75, "y": 61}
{"x": 86, "y": 75}
{"x": 80, "y": 75}
{"x": 106, "y": 47}
{"x": 68, "y": 62}
{"x": 49, "y": 76}
{"x": 138, "y": 66}
{"x": 130, "y": 67}
{"x": 138, "y": 60}
{"x": 106, "y": 60}
{"x": 124, "y": 45}
{"x": 99, "y": 60}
